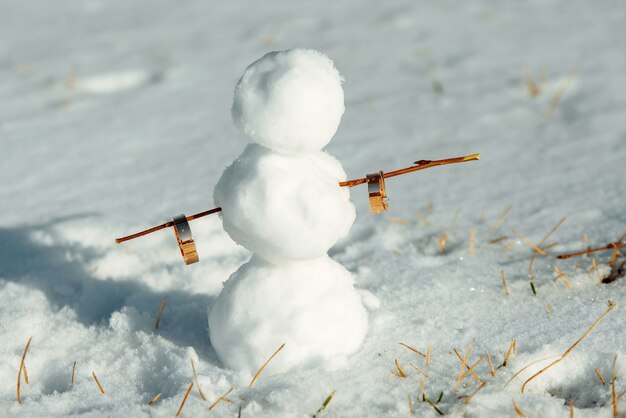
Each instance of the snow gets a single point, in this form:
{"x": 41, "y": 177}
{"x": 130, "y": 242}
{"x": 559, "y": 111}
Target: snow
{"x": 310, "y": 305}
{"x": 282, "y": 206}
{"x": 290, "y": 101}
{"x": 80, "y": 166}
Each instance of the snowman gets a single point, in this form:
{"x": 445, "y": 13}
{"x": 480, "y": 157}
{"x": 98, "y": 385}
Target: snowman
{"x": 281, "y": 199}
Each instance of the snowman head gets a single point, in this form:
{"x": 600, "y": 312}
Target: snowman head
{"x": 290, "y": 101}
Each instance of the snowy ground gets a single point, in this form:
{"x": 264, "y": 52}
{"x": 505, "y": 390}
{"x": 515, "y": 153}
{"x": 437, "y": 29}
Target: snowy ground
{"x": 116, "y": 115}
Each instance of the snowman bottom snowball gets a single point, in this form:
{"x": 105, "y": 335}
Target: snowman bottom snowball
{"x": 311, "y": 306}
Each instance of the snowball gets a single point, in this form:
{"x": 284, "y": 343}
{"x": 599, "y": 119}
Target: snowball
{"x": 284, "y": 207}
{"x": 290, "y": 101}
{"x": 310, "y": 305}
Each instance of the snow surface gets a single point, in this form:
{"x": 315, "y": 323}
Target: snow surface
{"x": 116, "y": 115}
{"x": 284, "y": 206}
{"x": 290, "y": 101}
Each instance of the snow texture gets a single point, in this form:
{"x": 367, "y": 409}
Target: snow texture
{"x": 284, "y": 207}
{"x": 309, "y": 305}
{"x": 290, "y": 101}
{"x": 115, "y": 116}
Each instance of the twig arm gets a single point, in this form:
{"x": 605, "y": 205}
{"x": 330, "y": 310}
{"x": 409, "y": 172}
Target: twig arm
{"x": 165, "y": 225}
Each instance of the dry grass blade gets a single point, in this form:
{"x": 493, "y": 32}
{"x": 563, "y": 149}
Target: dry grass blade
{"x": 256, "y": 376}
{"x": 472, "y": 238}
{"x": 469, "y": 398}
{"x": 73, "y": 372}
{"x": 492, "y": 370}
{"x": 600, "y": 376}
{"x": 25, "y": 374}
{"x": 220, "y": 399}
{"x": 525, "y": 367}
{"x": 464, "y": 365}
{"x": 330, "y": 398}
{"x": 531, "y": 277}
{"x": 158, "y": 318}
{"x": 552, "y": 231}
{"x": 614, "y": 256}
{"x": 398, "y": 221}
{"x": 502, "y": 217}
{"x": 512, "y": 348}
{"x": 98, "y": 383}
{"x": 571, "y": 408}
{"x": 533, "y": 88}
{"x": 622, "y": 394}
{"x": 428, "y": 356}
{"x": 154, "y": 399}
{"x": 195, "y": 379}
{"x": 595, "y": 267}
{"x": 180, "y": 408}
{"x": 569, "y": 350}
{"x": 556, "y": 99}
{"x": 441, "y": 243}
{"x": 518, "y": 411}
{"x": 506, "y": 289}
{"x": 400, "y": 371}
{"x": 562, "y": 277}
{"x": 422, "y": 388}
{"x": 614, "y": 398}
{"x": 412, "y": 349}
{"x": 410, "y": 405}
{"x": 19, "y": 373}
{"x": 471, "y": 370}
{"x": 530, "y": 243}
{"x": 420, "y": 371}
{"x": 497, "y": 240}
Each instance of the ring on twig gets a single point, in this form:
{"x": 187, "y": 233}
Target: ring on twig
{"x": 185, "y": 241}
{"x": 377, "y": 192}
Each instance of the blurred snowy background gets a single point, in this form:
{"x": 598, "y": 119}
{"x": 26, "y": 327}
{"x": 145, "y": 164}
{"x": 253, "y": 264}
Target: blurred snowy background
{"x": 116, "y": 115}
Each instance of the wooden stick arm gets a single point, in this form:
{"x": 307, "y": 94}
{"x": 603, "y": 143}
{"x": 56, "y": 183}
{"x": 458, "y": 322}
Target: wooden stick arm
{"x": 418, "y": 165}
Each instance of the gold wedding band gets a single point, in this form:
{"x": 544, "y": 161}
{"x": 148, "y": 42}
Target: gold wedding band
{"x": 377, "y": 192}
{"x": 185, "y": 240}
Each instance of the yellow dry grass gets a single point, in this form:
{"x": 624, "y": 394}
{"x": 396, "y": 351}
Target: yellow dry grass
{"x": 195, "y": 379}
{"x": 506, "y": 289}
{"x": 502, "y": 217}
{"x": 19, "y": 373}
{"x": 154, "y": 399}
{"x": 469, "y": 398}
{"x": 400, "y": 372}
{"x": 491, "y": 369}
{"x": 95, "y": 378}
{"x": 158, "y": 318}
{"x": 512, "y": 348}
{"x": 180, "y": 408}
{"x": 518, "y": 411}
{"x": 220, "y": 399}
{"x": 258, "y": 373}
{"x": 561, "y": 276}
{"x": 412, "y": 349}
{"x": 569, "y": 350}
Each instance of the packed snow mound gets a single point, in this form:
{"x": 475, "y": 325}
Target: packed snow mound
{"x": 290, "y": 101}
{"x": 284, "y": 207}
{"x": 311, "y": 306}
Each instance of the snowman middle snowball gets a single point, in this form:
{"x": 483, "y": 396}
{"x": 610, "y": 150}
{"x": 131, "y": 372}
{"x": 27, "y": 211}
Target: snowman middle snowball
{"x": 281, "y": 199}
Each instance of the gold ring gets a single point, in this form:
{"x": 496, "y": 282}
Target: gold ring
{"x": 377, "y": 192}
{"x": 185, "y": 241}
